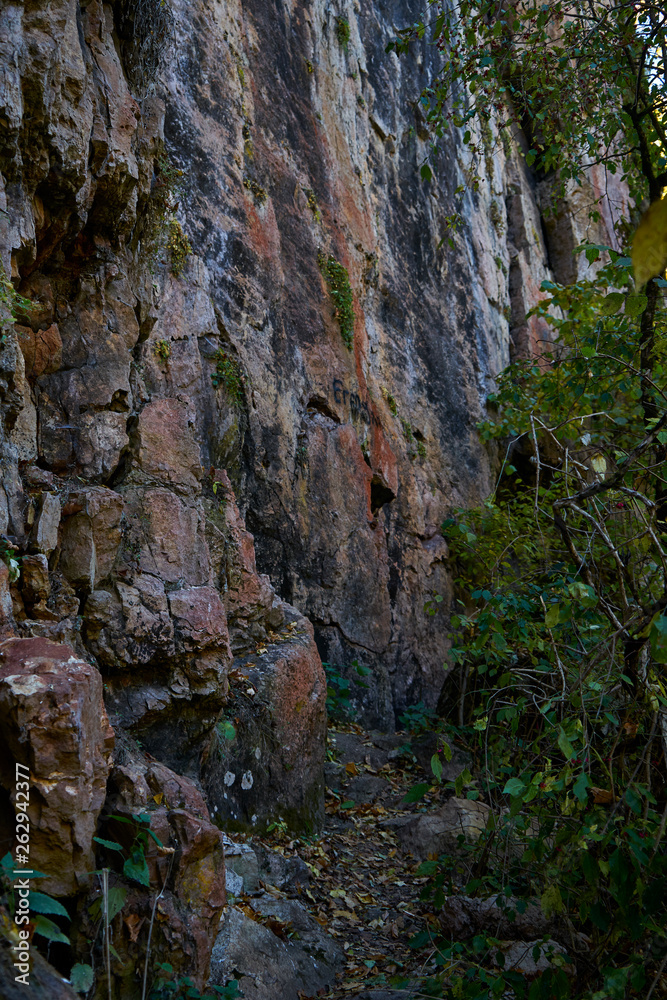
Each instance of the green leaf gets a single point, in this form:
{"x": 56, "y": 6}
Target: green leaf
{"x": 436, "y": 766}
{"x": 136, "y": 868}
{"x": 611, "y": 303}
{"x": 514, "y": 786}
{"x": 111, "y": 845}
{"x": 551, "y": 902}
{"x": 564, "y": 744}
{"x": 226, "y": 730}
{"x": 426, "y": 172}
{"x": 658, "y": 638}
{"x": 552, "y": 616}
{"x": 41, "y": 903}
{"x": 580, "y": 787}
{"x": 417, "y": 792}
{"x": 81, "y": 977}
{"x": 49, "y": 930}
{"x": 635, "y": 305}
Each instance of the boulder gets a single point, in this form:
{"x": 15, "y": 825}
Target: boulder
{"x": 91, "y": 535}
{"x": 522, "y": 957}
{"x": 273, "y": 767}
{"x": 242, "y": 863}
{"x": 186, "y": 871}
{"x": 462, "y": 917}
{"x": 44, "y": 982}
{"x": 44, "y": 536}
{"x": 53, "y": 721}
{"x": 438, "y": 830}
{"x": 268, "y": 963}
{"x": 168, "y": 450}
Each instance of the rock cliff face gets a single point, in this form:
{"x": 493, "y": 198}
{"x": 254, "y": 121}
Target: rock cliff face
{"x": 230, "y": 305}
{"x": 274, "y": 137}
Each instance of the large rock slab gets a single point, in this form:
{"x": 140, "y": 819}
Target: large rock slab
{"x": 53, "y": 721}
{"x": 273, "y": 768}
{"x": 269, "y": 965}
{"x": 438, "y": 830}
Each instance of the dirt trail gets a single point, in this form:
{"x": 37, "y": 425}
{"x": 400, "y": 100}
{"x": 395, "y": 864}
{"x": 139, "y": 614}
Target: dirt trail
{"x": 364, "y": 890}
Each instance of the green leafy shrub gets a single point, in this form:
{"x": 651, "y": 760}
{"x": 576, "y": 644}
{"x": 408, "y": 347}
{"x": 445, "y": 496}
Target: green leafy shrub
{"x": 338, "y": 283}
{"x": 343, "y": 32}
{"x": 560, "y": 638}
{"x": 168, "y": 987}
{"x": 229, "y": 374}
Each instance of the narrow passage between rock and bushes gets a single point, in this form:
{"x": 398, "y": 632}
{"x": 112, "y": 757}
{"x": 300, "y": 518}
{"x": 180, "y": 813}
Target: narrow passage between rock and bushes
{"x": 333, "y": 915}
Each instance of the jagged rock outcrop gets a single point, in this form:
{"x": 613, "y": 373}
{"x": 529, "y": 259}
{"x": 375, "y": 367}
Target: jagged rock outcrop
{"x": 185, "y": 860}
{"x": 181, "y": 187}
{"x": 53, "y": 722}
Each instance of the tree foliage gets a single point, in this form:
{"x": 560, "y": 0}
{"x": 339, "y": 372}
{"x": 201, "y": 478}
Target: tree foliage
{"x": 559, "y": 633}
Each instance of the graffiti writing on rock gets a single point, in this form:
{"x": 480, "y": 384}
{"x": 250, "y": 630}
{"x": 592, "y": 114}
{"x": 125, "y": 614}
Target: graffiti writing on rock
{"x": 359, "y": 408}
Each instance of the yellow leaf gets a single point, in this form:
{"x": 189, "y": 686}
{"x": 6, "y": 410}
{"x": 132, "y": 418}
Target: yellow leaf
{"x": 599, "y": 464}
{"x": 351, "y": 768}
{"x": 649, "y": 247}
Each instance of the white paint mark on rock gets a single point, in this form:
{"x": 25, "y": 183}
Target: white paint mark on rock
{"x": 247, "y": 781}
{"x": 229, "y": 778}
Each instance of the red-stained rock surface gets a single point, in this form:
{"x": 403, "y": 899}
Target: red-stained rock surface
{"x": 331, "y": 468}
{"x": 52, "y": 720}
{"x": 187, "y": 868}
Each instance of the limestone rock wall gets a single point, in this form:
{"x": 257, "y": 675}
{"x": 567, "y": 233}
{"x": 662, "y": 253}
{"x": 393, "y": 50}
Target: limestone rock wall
{"x": 274, "y": 139}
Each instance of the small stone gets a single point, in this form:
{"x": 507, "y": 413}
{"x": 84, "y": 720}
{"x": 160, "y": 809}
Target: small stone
{"x": 44, "y": 536}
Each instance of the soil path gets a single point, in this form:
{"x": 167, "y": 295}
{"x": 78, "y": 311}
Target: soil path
{"x": 364, "y": 889}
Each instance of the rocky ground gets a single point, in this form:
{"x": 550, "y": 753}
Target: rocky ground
{"x": 358, "y": 882}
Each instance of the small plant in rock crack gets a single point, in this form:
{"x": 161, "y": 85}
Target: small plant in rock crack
{"x": 343, "y": 32}
{"x": 228, "y": 373}
{"x": 338, "y": 283}
{"x": 339, "y": 690}
{"x": 15, "y": 305}
{"x": 134, "y": 865}
{"x": 8, "y": 556}
{"x": 168, "y": 987}
{"x": 162, "y": 350}
{"x": 178, "y": 248}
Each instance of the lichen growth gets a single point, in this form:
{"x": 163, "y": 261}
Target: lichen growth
{"x": 229, "y": 374}
{"x": 338, "y": 283}
{"x": 178, "y": 248}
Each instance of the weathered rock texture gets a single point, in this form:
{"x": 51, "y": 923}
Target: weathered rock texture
{"x": 153, "y": 412}
{"x": 275, "y": 143}
{"x": 53, "y": 722}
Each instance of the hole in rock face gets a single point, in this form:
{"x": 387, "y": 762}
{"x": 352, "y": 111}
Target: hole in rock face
{"x": 316, "y": 404}
{"x": 380, "y": 494}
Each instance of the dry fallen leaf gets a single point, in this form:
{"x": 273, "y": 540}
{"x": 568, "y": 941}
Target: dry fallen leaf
{"x": 133, "y": 923}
